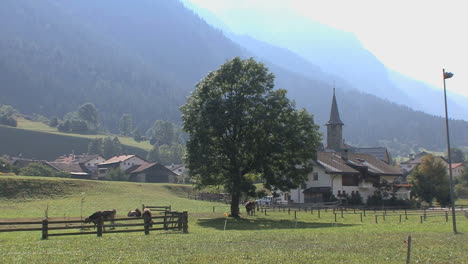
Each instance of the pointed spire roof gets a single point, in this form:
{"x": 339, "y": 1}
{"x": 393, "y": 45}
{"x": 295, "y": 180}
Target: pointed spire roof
{"x": 334, "y": 114}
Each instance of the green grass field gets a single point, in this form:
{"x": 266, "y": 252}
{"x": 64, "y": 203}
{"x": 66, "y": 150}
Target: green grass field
{"x": 37, "y": 140}
{"x": 274, "y": 238}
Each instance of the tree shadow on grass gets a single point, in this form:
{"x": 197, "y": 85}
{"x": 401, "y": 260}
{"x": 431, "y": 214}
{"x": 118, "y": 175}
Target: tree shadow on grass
{"x": 262, "y": 223}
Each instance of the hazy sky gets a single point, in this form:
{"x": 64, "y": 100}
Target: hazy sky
{"x": 414, "y": 37}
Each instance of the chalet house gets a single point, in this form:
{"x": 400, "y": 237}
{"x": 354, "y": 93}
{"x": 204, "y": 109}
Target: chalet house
{"x": 79, "y": 166}
{"x": 138, "y": 169}
{"x": 343, "y": 174}
{"x": 124, "y": 162}
{"x": 152, "y": 172}
{"x": 343, "y": 171}
{"x": 457, "y": 169}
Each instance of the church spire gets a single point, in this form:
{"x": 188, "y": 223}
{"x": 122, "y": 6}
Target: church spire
{"x": 335, "y": 128}
{"x": 334, "y": 114}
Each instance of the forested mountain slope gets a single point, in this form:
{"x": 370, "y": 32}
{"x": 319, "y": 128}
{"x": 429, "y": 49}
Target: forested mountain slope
{"x": 144, "y": 57}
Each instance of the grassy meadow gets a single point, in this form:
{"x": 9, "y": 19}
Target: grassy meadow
{"x": 273, "y": 238}
{"x": 37, "y": 140}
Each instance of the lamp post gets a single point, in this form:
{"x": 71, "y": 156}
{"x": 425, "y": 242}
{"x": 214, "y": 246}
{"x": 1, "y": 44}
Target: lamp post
{"x": 448, "y": 75}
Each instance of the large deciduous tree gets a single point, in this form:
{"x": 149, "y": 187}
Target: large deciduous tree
{"x": 430, "y": 181}
{"x": 238, "y": 125}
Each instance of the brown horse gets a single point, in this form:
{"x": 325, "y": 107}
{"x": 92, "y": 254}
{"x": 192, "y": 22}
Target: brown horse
{"x": 250, "y": 207}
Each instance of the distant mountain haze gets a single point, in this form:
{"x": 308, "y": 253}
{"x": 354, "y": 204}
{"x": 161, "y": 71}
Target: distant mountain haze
{"x": 145, "y": 57}
{"x": 338, "y": 53}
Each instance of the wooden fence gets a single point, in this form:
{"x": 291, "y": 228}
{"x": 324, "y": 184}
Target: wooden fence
{"x": 168, "y": 221}
{"x": 157, "y": 208}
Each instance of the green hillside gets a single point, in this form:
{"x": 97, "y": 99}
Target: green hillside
{"x": 275, "y": 237}
{"x": 37, "y": 140}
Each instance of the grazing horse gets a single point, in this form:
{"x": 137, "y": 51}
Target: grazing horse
{"x": 101, "y": 216}
{"x": 135, "y": 212}
{"x": 250, "y": 207}
{"x": 147, "y": 216}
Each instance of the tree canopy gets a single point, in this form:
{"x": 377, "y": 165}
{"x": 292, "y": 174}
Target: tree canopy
{"x": 431, "y": 181}
{"x": 238, "y": 125}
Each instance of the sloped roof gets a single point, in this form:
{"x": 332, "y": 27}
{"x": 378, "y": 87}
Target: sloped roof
{"x": 144, "y": 167}
{"x": 71, "y": 167}
{"x": 333, "y": 162}
{"x": 378, "y": 152}
{"x": 334, "y": 113}
{"x": 373, "y": 164}
{"x": 456, "y": 165}
{"x": 76, "y": 158}
{"x": 117, "y": 159}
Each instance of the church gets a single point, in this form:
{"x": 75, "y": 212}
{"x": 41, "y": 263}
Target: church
{"x": 345, "y": 171}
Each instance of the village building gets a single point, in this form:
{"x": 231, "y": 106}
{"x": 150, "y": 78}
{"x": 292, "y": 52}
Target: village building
{"x": 82, "y": 166}
{"x": 124, "y": 162}
{"x": 344, "y": 171}
{"x": 152, "y": 172}
{"x": 457, "y": 169}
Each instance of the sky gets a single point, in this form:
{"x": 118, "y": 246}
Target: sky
{"x": 414, "y": 37}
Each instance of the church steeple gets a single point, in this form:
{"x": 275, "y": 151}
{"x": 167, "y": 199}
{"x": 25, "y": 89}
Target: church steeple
{"x": 335, "y": 128}
{"x": 334, "y": 114}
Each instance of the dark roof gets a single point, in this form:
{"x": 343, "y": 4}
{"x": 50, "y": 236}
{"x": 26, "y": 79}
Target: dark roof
{"x": 378, "y": 152}
{"x": 334, "y": 162}
{"x": 144, "y": 167}
{"x": 373, "y": 164}
{"x": 71, "y": 167}
{"x": 334, "y": 114}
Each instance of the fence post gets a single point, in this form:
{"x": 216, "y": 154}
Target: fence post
{"x": 424, "y": 214}
{"x": 408, "y": 254}
{"x": 406, "y": 216}
{"x": 342, "y": 214}
{"x": 213, "y": 209}
{"x": 335, "y": 217}
{"x": 265, "y": 211}
{"x": 185, "y": 223}
{"x": 179, "y": 222}
{"x": 147, "y": 222}
{"x": 376, "y": 221}
{"x": 170, "y": 207}
{"x": 383, "y": 216}
{"x": 165, "y": 220}
{"x": 295, "y": 215}
{"x": 446, "y": 217}
{"x": 364, "y": 212}
{"x": 361, "y": 217}
{"x": 45, "y": 229}
{"x": 99, "y": 227}
{"x": 142, "y": 207}
{"x": 318, "y": 212}
{"x": 421, "y": 219}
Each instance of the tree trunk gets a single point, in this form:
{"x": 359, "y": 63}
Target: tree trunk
{"x": 235, "y": 204}
{"x": 235, "y": 195}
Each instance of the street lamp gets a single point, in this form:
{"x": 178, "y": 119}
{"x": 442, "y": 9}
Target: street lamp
{"x": 448, "y": 75}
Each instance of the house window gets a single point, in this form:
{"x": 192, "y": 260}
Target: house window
{"x": 315, "y": 176}
{"x": 350, "y": 180}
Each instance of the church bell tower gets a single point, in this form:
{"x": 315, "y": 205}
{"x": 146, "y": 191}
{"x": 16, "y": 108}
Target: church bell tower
{"x": 335, "y": 128}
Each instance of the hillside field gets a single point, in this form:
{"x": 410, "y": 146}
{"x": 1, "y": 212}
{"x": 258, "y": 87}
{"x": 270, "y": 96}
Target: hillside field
{"x": 39, "y": 141}
{"x": 274, "y": 238}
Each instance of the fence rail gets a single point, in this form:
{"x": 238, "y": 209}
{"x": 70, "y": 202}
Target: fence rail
{"x": 169, "y": 221}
